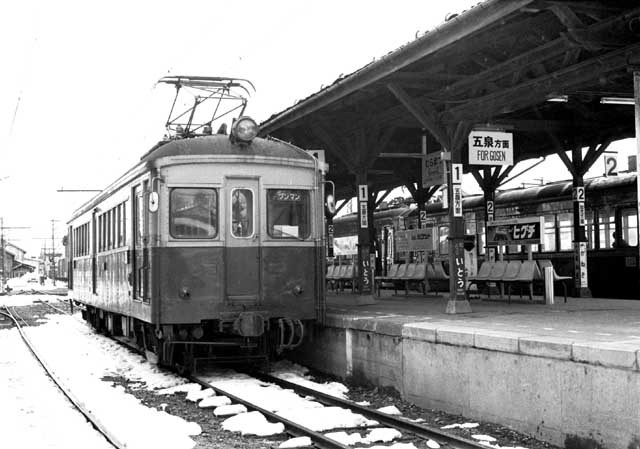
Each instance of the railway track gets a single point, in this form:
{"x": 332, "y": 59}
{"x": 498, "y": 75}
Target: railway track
{"x": 412, "y": 431}
{"x": 77, "y": 403}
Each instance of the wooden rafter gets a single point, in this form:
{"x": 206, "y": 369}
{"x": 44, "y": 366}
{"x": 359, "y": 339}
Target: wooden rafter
{"x": 535, "y": 91}
{"x": 425, "y": 118}
{"x": 333, "y": 147}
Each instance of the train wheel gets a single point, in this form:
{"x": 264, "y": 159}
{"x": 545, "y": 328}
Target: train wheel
{"x": 184, "y": 364}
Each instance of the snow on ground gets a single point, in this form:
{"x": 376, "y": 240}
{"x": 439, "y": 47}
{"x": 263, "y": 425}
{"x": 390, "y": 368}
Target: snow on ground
{"x": 299, "y": 375}
{"x": 81, "y": 358}
{"x": 34, "y": 413}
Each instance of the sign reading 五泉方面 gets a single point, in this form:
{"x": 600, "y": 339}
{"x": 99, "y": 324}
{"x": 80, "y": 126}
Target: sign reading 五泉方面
{"x": 490, "y": 148}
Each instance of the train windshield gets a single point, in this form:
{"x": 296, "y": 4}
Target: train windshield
{"x": 194, "y": 213}
{"x": 288, "y": 213}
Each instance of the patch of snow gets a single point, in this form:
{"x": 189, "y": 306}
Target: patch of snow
{"x": 228, "y": 410}
{"x": 484, "y": 438}
{"x": 364, "y": 403}
{"x": 195, "y": 396}
{"x": 326, "y": 418}
{"x": 382, "y": 435}
{"x": 214, "y": 401}
{"x": 252, "y": 423}
{"x": 467, "y": 425}
{"x": 432, "y": 444}
{"x": 345, "y": 438}
{"x": 183, "y": 388}
{"x": 390, "y": 410}
{"x": 295, "y": 442}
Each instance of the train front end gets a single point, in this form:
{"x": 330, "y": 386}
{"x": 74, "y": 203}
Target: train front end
{"x": 238, "y": 251}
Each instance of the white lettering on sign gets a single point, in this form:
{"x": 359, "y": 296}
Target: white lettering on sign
{"x": 432, "y": 170}
{"x": 578, "y": 194}
{"x": 364, "y": 220}
{"x": 490, "y": 148}
{"x": 457, "y": 200}
{"x": 363, "y": 192}
{"x": 456, "y": 173}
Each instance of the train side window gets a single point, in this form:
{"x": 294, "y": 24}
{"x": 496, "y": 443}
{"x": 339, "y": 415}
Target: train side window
{"x": 629, "y": 221}
{"x": 565, "y": 228}
{"x": 241, "y": 213}
{"x": 549, "y": 238}
{"x": 443, "y": 242}
{"x": 606, "y": 228}
{"x": 193, "y": 213}
{"x": 288, "y": 213}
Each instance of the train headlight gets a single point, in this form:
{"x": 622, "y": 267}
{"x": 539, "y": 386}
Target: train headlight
{"x": 244, "y": 130}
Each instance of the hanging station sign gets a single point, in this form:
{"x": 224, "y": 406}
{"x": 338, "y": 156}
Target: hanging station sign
{"x": 515, "y": 231}
{"x": 433, "y": 171}
{"x": 414, "y": 240}
{"x": 490, "y": 148}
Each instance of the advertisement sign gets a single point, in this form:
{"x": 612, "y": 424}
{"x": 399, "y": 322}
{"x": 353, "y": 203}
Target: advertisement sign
{"x": 414, "y": 240}
{"x": 364, "y": 219}
{"x": 515, "y": 231}
{"x": 580, "y": 264}
{"x": 345, "y": 246}
{"x": 432, "y": 170}
{"x": 490, "y": 148}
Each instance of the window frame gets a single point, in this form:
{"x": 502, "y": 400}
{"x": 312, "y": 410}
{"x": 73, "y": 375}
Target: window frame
{"x": 216, "y": 224}
{"x": 253, "y": 213}
{"x": 307, "y": 199}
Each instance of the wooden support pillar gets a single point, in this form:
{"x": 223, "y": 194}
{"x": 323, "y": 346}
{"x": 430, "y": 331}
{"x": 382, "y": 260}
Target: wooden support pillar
{"x": 636, "y": 90}
{"x": 580, "y": 277}
{"x": 458, "y": 302}
{"x": 365, "y": 276}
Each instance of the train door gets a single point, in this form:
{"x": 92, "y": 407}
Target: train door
{"x": 94, "y": 253}
{"x": 140, "y": 250}
{"x": 242, "y": 252}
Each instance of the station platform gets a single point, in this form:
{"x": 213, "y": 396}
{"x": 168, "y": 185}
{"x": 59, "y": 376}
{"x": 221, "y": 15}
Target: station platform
{"x": 566, "y": 373}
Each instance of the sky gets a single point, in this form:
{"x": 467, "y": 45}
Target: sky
{"x": 78, "y": 101}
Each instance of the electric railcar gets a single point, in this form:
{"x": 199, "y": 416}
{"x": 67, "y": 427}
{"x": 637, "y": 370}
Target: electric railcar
{"x": 611, "y": 207}
{"x": 209, "y": 249}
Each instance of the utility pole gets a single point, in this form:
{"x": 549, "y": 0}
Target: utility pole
{"x": 2, "y": 251}
{"x": 53, "y": 251}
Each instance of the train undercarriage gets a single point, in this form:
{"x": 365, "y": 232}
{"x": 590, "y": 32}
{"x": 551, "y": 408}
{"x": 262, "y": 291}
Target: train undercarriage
{"x": 247, "y": 340}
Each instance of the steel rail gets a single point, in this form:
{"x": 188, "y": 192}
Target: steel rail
{"x": 420, "y": 430}
{"x": 293, "y": 428}
{"x": 77, "y": 403}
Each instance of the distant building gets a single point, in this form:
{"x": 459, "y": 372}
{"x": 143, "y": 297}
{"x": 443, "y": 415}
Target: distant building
{"x": 15, "y": 262}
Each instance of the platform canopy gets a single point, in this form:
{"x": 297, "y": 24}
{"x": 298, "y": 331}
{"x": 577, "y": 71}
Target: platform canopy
{"x": 538, "y": 69}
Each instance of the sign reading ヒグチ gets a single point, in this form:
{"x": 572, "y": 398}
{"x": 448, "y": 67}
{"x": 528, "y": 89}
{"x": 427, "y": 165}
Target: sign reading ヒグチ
{"x": 515, "y": 231}
{"x": 490, "y": 148}
{"x": 414, "y": 240}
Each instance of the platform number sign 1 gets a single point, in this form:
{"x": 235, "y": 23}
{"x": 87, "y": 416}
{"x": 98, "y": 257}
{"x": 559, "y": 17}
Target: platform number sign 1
{"x": 610, "y": 164}
{"x": 363, "y": 192}
{"x": 456, "y": 173}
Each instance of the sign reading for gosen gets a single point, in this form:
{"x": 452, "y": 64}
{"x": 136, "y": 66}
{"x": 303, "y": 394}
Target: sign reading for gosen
{"x": 515, "y": 231}
{"x": 490, "y": 148}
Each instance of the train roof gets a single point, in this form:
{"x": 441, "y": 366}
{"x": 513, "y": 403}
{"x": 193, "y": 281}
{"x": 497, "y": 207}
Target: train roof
{"x": 214, "y": 145}
{"x": 560, "y": 190}
{"x": 219, "y": 144}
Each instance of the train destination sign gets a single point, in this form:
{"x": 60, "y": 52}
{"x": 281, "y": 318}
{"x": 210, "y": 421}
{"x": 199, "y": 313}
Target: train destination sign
{"x": 515, "y": 231}
{"x": 490, "y": 148}
{"x": 414, "y": 240}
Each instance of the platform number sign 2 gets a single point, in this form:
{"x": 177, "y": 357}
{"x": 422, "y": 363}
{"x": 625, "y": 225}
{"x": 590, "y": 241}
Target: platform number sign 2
{"x": 610, "y": 165}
